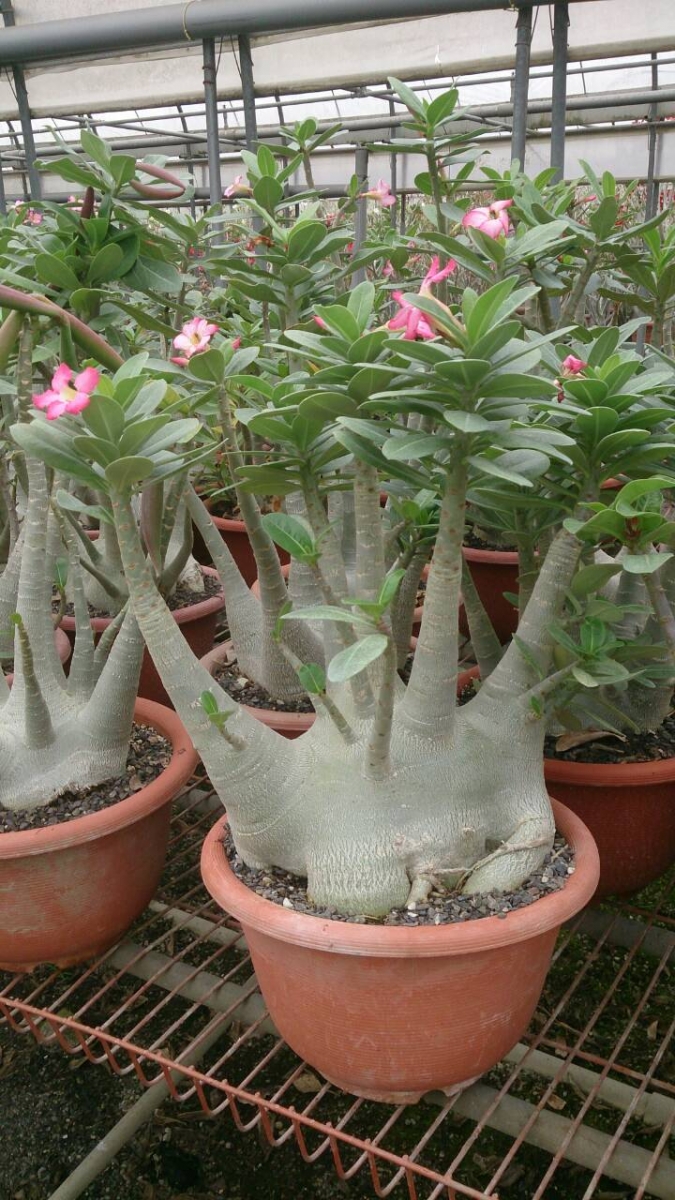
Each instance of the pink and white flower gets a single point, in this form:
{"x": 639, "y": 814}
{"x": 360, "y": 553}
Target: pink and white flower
{"x": 411, "y": 319}
{"x": 67, "y": 394}
{"x": 436, "y": 274}
{"x": 491, "y": 219}
{"x": 193, "y": 338}
{"x": 382, "y": 193}
{"x": 572, "y": 365}
{"x": 238, "y": 188}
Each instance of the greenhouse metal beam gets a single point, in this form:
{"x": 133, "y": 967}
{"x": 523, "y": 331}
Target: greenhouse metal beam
{"x": 180, "y": 23}
{"x": 561, "y": 23}
{"x": 23, "y": 108}
{"x": 521, "y": 86}
{"x": 211, "y": 106}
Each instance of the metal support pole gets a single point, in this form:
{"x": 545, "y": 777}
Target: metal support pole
{"x": 3, "y": 198}
{"x": 248, "y": 90}
{"x": 521, "y": 86}
{"x": 361, "y": 221}
{"x": 23, "y": 107}
{"x": 393, "y": 169}
{"x": 651, "y": 206}
{"x": 561, "y": 23}
{"x": 211, "y": 106}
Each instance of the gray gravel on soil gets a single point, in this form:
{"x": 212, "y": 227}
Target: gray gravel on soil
{"x": 181, "y": 597}
{"x": 245, "y": 691}
{"x": 443, "y": 907}
{"x": 149, "y": 753}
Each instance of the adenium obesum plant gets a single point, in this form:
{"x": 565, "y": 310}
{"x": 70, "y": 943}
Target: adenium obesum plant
{"x": 395, "y": 788}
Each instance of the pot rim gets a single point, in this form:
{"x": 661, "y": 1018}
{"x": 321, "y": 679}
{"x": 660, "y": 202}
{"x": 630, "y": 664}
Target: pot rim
{"x": 386, "y": 941}
{"x": 497, "y": 558}
{"x": 293, "y": 722}
{"x": 25, "y": 842}
{"x": 192, "y": 612}
{"x": 620, "y": 775}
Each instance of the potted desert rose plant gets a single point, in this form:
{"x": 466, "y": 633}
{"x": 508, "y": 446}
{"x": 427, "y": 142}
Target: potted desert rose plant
{"x": 107, "y": 257}
{"x": 84, "y": 814}
{"x": 393, "y": 790}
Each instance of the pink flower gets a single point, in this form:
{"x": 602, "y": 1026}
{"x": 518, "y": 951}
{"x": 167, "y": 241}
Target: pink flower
{"x": 572, "y": 365}
{"x": 381, "y": 193}
{"x": 67, "y": 395}
{"x": 238, "y": 188}
{"x": 492, "y": 220}
{"x": 236, "y": 343}
{"x": 320, "y": 322}
{"x": 411, "y": 319}
{"x": 192, "y": 339}
{"x": 435, "y": 274}
{"x": 388, "y": 269}
{"x": 33, "y": 218}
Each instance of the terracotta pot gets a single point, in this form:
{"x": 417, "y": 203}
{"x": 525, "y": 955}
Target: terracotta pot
{"x": 197, "y": 624}
{"x": 68, "y": 892}
{"x": 495, "y": 572}
{"x": 289, "y": 724}
{"x": 63, "y": 649}
{"x": 235, "y": 536}
{"x": 630, "y": 810}
{"x": 390, "y": 1012}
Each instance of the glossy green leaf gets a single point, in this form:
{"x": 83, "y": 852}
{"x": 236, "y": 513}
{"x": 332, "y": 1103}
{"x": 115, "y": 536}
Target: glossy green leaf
{"x": 354, "y": 659}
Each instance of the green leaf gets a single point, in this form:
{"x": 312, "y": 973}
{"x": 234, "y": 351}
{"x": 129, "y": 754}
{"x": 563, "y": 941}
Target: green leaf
{"x": 623, "y": 502}
{"x": 411, "y": 100}
{"x": 413, "y": 446}
{"x": 354, "y": 659}
{"x": 106, "y": 264}
{"x": 467, "y": 422}
{"x": 441, "y": 108}
{"x": 644, "y": 564}
{"x": 154, "y": 275}
{"x": 268, "y": 193}
{"x": 312, "y": 678}
{"x": 209, "y": 704}
{"x": 54, "y": 271}
{"x": 327, "y": 612}
{"x": 122, "y": 167}
{"x": 390, "y": 587}
{"x": 304, "y": 239}
{"x": 105, "y": 418}
{"x": 208, "y": 366}
{"x": 95, "y": 148}
{"x": 584, "y": 678}
{"x": 340, "y": 321}
{"x": 125, "y": 473}
{"x": 55, "y": 448}
{"x": 360, "y": 303}
{"x": 292, "y": 534}
{"x": 593, "y": 578}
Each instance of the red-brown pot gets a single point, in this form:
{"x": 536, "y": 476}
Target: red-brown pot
{"x": 390, "y": 1012}
{"x": 68, "y": 892}
{"x": 289, "y": 724}
{"x": 235, "y": 536}
{"x": 630, "y": 810}
{"x": 495, "y": 572}
{"x": 197, "y": 624}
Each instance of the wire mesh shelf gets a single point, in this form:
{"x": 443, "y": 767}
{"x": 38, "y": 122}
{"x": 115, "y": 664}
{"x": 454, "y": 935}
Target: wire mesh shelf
{"x": 588, "y": 1097}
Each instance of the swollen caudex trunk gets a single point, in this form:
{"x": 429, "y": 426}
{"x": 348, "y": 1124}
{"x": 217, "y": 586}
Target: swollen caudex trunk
{"x": 459, "y": 797}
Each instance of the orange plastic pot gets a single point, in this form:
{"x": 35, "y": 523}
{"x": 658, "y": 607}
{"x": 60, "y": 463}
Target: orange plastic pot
{"x": 390, "y": 1012}
{"x": 235, "y": 536}
{"x": 495, "y": 572}
{"x": 630, "y": 810}
{"x": 68, "y": 892}
{"x": 290, "y": 725}
{"x": 197, "y": 624}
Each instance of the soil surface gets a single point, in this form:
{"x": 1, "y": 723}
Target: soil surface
{"x": 181, "y": 597}
{"x": 477, "y": 543}
{"x": 443, "y": 906}
{"x": 649, "y": 746}
{"x": 149, "y": 753}
{"x": 245, "y": 691}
